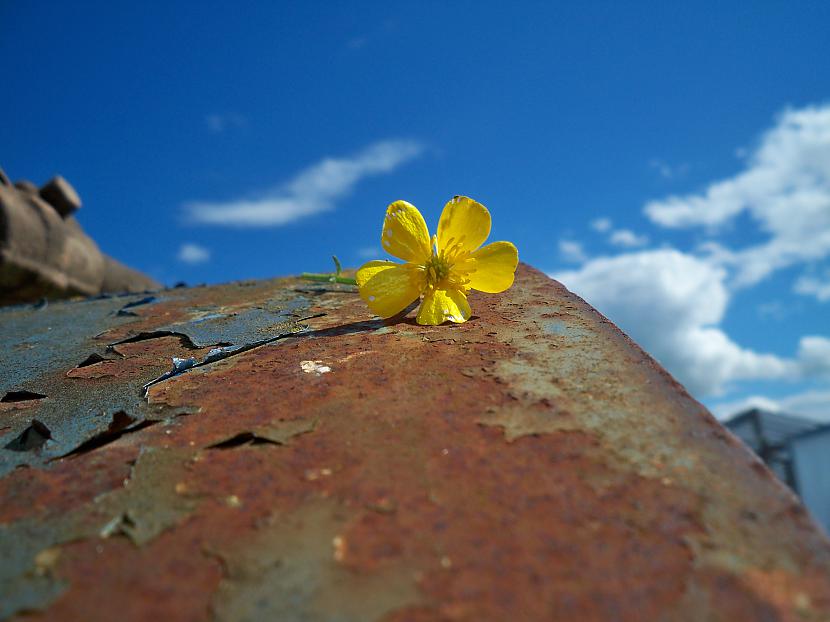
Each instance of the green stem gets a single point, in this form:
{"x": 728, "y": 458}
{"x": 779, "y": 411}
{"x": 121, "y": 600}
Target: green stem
{"x": 327, "y": 278}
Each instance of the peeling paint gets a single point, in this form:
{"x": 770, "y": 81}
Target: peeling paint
{"x": 145, "y": 506}
{"x": 532, "y": 463}
{"x": 148, "y": 503}
{"x": 51, "y": 354}
{"x": 289, "y": 570}
{"x": 239, "y": 326}
{"x": 181, "y": 365}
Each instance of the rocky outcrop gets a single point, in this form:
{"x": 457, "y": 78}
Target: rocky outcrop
{"x": 44, "y": 252}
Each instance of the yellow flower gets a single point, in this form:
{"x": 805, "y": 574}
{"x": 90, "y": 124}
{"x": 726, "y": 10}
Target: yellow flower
{"x": 442, "y": 269}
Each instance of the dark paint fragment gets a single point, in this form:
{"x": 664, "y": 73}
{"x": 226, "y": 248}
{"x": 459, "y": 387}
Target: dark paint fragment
{"x": 91, "y": 360}
{"x": 120, "y": 425}
{"x": 142, "y": 301}
{"x": 30, "y": 439}
{"x": 158, "y": 334}
{"x": 127, "y": 308}
{"x": 243, "y": 438}
{"x": 277, "y": 433}
{"x": 21, "y": 396}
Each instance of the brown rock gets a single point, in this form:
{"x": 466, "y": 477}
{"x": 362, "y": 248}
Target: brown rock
{"x": 44, "y": 252}
{"x": 60, "y": 194}
{"x": 24, "y": 185}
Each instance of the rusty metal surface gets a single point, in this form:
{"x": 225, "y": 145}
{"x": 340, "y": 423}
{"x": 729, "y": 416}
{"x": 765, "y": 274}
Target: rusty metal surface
{"x": 303, "y": 461}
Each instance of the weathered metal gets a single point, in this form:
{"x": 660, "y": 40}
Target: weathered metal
{"x": 302, "y": 461}
{"x": 45, "y": 253}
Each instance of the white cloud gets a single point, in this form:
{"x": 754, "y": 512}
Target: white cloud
{"x": 193, "y": 253}
{"x": 618, "y": 237}
{"x": 218, "y": 123}
{"x": 370, "y": 252}
{"x": 356, "y": 43}
{"x": 667, "y": 171}
{"x": 312, "y": 191}
{"x": 814, "y": 356}
{"x": 811, "y": 286}
{"x": 671, "y": 303}
{"x": 601, "y": 224}
{"x": 814, "y": 404}
{"x": 785, "y": 189}
{"x": 674, "y": 303}
{"x": 627, "y": 239}
{"x": 572, "y": 251}
{"x": 773, "y": 310}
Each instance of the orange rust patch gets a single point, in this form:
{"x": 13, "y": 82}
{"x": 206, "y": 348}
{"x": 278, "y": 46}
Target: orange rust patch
{"x": 136, "y": 358}
{"x": 74, "y": 482}
{"x": 620, "y": 512}
{"x": 166, "y": 580}
{"x": 420, "y": 445}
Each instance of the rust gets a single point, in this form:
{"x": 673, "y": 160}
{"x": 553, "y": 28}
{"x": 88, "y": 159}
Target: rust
{"x": 89, "y": 368}
{"x": 532, "y": 463}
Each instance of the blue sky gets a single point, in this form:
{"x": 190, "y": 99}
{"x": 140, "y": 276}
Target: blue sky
{"x": 670, "y": 163}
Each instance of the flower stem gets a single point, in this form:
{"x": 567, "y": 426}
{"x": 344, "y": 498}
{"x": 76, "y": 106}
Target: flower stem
{"x": 327, "y": 278}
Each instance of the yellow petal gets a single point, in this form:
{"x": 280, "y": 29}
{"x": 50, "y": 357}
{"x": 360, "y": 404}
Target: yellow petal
{"x": 464, "y": 222}
{"x": 405, "y": 233}
{"x": 387, "y": 287}
{"x": 440, "y": 305}
{"x": 493, "y": 267}
{"x": 371, "y": 268}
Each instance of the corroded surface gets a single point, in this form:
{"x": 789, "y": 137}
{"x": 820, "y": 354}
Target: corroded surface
{"x": 303, "y": 461}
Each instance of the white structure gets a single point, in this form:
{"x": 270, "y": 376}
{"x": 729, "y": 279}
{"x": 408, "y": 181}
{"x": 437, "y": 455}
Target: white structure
{"x": 796, "y": 449}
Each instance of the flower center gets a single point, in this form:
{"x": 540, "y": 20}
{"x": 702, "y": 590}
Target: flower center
{"x": 448, "y": 269}
{"x": 437, "y": 270}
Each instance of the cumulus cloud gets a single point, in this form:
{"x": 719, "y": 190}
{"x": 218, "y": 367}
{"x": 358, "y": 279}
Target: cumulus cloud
{"x": 627, "y": 238}
{"x": 314, "y": 190}
{"x": 618, "y": 237}
{"x": 784, "y": 188}
{"x": 218, "y": 123}
{"x": 356, "y": 43}
{"x": 572, "y": 251}
{"x": 814, "y": 356}
{"x": 601, "y": 224}
{"x": 668, "y": 171}
{"x": 193, "y": 254}
{"x": 369, "y": 252}
{"x": 671, "y": 303}
{"x": 812, "y": 286}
